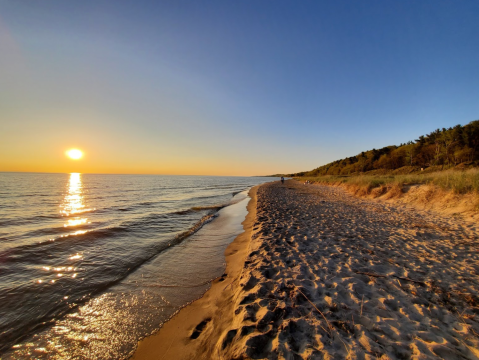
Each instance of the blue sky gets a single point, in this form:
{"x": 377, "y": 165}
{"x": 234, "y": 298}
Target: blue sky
{"x": 228, "y": 87}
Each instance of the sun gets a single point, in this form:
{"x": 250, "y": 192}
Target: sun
{"x": 74, "y": 154}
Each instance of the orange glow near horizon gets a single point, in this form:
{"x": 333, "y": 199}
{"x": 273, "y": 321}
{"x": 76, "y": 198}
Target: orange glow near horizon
{"x": 74, "y": 154}
{"x": 112, "y": 158}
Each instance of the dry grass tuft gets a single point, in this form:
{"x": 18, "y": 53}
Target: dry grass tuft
{"x": 449, "y": 192}
{"x": 460, "y": 182}
{"x": 378, "y": 191}
{"x": 395, "y": 191}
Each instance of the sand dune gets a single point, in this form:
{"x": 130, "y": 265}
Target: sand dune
{"x": 331, "y": 276}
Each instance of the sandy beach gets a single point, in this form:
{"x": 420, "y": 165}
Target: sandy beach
{"x": 321, "y": 274}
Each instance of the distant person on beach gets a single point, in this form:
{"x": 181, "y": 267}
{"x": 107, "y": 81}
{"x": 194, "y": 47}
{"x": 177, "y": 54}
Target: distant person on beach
{"x": 282, "y": 180}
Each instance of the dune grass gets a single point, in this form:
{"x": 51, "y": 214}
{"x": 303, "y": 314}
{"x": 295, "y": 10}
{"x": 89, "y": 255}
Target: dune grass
{"x": 460, "y": 182}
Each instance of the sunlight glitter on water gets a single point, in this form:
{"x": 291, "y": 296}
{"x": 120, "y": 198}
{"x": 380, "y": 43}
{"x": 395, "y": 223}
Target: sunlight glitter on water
{"x": 94, "y": 267}
{"x": 73, "y": 202}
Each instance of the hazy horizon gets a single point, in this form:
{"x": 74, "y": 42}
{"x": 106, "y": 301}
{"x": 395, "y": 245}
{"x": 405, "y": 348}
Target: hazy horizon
{"x": 86, "y": 173}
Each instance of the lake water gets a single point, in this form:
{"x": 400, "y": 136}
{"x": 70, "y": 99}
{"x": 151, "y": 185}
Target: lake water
{"x": 90, "y": 264}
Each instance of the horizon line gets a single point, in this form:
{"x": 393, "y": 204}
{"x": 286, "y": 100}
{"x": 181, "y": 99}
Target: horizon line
{"x": 148, "y": 174}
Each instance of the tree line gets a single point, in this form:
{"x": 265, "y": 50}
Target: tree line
{"x": 442, "y": 147}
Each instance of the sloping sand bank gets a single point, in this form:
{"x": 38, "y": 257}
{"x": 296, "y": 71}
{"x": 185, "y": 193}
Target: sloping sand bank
{"x": 428, "y": 197}
{"x": 330, "y": 276}
{"x": 192, "y": 331}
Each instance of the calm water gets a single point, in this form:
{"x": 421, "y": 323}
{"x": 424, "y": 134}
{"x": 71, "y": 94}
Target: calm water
{"x": 89, "y": 264}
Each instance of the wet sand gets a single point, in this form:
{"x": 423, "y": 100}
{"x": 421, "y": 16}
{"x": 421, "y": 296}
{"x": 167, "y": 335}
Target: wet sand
{"x": 320, "y": 274}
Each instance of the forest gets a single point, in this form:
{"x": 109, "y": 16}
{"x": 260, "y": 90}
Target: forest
{"x": 441, "y": 149}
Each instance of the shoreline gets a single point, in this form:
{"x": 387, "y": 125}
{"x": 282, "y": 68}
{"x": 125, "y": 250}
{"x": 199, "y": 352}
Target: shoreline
{"x": 179, "y": 335}
{"x": 326, "y": 275}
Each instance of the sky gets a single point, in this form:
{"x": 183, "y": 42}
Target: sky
{"x": 228, "y": 87}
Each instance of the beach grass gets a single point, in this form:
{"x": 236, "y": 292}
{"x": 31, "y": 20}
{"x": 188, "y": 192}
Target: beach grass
{"x": 460, "y": 182}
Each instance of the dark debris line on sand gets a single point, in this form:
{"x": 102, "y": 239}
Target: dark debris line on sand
{"x": 333, "y": 276}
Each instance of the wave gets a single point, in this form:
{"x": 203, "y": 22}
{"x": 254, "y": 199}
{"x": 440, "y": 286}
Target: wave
{"x": 213, "y": 208}
{"x": 146, "y": 203}
{"x": 86, "y": 233}
{"x": 39, "y": 194}
{"x": 153, "y": 203}
{"x": 229, "y": 186}
{"x": 204, "y": 220}
{"x": 208, "y": 207}
{"x": 106, "y": 276}
{"x": 20, "y": 221}
{"x": 56, "y": 230}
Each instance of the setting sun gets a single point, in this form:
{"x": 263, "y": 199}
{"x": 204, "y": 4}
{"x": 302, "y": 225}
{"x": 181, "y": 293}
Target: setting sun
{"x": 74, "y": 154}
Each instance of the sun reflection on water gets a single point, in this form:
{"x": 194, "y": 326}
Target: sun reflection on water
{"x": 75, "y": 222}
{"x": 72, "y": 206}
{"x": 73, "y": 202}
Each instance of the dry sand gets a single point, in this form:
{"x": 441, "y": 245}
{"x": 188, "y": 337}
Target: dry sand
{"x": 320, "y": 274}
